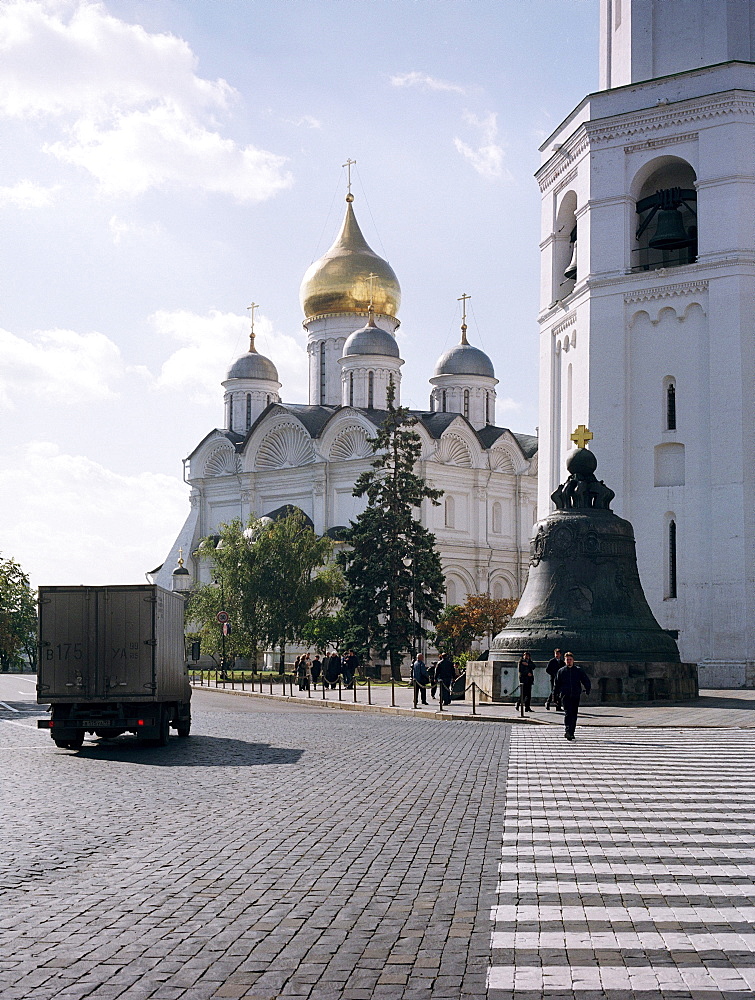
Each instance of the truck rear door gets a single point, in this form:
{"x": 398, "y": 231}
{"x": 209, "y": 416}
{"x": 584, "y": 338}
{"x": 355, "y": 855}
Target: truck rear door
{"x": 128, "y": 625}
{"x": 68, "y": 643}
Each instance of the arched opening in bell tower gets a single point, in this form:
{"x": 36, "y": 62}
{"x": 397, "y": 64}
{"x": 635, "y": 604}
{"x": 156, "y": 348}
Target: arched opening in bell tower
{"x": 565, "y": 273}
{"x": 665, "y": 230}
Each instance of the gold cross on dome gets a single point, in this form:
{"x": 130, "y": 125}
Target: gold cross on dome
{"x": 371, "y": 278}
{"x": 251, "y": 308}
{"x": 349, "y": 164}
{"x": 463, "y": 299}
{"x": 581, "y": 436}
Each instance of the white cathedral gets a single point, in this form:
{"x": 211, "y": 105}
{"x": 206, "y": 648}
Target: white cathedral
{"x": 647, "y": 323}
{"x": 271, "y": 455}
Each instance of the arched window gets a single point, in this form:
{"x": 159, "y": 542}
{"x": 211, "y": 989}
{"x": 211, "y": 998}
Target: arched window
{"x": 466, "y": 403}
{"x": 487, "y": 406}
{"x": 268, "y": 399}
{"x": 497, "y": 518}
{"x": 248, "y": 410}
{"x": 498, "y": 591}
{"x": 450, "y": 512}
{"x": 351, "y": 388}
{"x": 229, "y": 418}
{"x": 432, "y": 403}
{"x": 671, "y": 589}
{"x": 450, "y": 592}
{"x": 322, "y": 371}
{"x": 371, "y": 391}
{"x": 443, "y": 400}
{"x": 671, "y": 406}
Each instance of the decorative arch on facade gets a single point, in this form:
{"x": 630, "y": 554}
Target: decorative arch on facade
{"x": 350, "y": 442}
{"x": 459, "y": 583}
{"x": 502, "y": 587}
{"x": 286, "y": 446}
{"x": 452, "y": 449}
{"x": 501, "y": 460}
{"x": 222, "y": 461}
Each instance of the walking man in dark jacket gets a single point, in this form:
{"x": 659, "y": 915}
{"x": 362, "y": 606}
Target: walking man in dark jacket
{"x": 551, "y": 670}
{"x": 569, "y": 683}
{"x": 445, "y": 676}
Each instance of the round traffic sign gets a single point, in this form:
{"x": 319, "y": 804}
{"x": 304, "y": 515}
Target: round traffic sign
{"x": 222, "y": 617}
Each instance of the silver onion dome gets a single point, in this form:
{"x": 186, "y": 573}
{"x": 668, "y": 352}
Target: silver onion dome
{"x": 463, "y": 359}
{"x": 371, "y": 339}
{"x": 253, "y": 365}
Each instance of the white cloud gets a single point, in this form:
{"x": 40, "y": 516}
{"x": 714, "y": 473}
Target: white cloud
{"x": 120, "y": 229}
{"x": 487, "y": 158}
{"x": 90, "y": 62}
{"x": 130, "y": 107}
{"x": 72, "y": 367}
{"x": 69, "y": 520}
{"x": 425, "y": 82}
{"x": 159, "y": 147}
{"x": 507, "y": 405}
{"x": 211, "y": 343}
{"x": 27, "y": 194}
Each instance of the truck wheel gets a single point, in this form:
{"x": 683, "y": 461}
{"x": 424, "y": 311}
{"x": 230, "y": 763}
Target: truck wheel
{"x": 162, "y": 739}
{"x": 183, "y": 728}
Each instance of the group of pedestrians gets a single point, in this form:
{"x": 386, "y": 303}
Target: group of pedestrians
{"x": 439, "y": 677}
{"x": 330, "y": 668}
{"x": 566, "y": 682}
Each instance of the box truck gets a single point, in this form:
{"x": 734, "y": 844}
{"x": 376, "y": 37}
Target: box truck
{"x": 111, "y": 661}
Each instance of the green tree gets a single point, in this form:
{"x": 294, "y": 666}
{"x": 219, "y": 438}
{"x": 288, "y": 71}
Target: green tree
{"x": 322, "y": 631}
{"x": 480, "y": 615}
{"x": 454, "y": 632}
{"x": 299, "y": 579}
{"x": 18, "y": 617}
{"x": 270, "y": 577}
{"x": 392, "y": 568}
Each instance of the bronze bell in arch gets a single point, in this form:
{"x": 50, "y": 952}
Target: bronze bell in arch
{"x": 571, "y": 271}
{"x": 670, "y": 233}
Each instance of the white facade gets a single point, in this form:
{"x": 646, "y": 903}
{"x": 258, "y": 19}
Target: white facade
{"x": 653, "y": 349}
{"x": 310, "y": 456}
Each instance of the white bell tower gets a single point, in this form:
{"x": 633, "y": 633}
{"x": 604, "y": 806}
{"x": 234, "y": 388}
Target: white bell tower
{"x": 648, "y": 310}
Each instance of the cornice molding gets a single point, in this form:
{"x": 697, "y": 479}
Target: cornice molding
{"x": 606, "y": 130}
{"x": 666, "y": 291}
{"x": 551, "y": 171}
{"x": 564, "y": 324}
{"x": 670, "y": 140}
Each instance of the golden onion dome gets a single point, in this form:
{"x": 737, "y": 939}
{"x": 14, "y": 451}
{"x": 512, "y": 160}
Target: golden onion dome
{"x": 339, "y": 282}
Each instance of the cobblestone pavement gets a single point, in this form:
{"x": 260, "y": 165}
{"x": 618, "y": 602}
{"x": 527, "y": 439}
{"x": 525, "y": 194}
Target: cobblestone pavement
{"x": 276, "y": 852}
{"x": 627, "y": 868}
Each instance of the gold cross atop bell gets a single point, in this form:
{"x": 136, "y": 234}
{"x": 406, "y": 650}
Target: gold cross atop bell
{"x": 581, "y": 436}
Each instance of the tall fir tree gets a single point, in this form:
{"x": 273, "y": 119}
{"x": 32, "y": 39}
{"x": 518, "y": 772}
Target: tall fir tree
{"x": 392, "y": 568}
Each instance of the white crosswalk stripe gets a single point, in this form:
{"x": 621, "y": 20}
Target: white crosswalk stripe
{"x": 628, "y": 866}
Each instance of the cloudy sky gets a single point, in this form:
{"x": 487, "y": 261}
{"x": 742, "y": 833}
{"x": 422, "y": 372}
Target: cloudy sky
{"x": 165, "y": 162}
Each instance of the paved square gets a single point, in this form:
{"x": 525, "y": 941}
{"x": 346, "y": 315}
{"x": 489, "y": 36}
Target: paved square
{"x": 276, "y": 852}
{"x": 627, "y": 866}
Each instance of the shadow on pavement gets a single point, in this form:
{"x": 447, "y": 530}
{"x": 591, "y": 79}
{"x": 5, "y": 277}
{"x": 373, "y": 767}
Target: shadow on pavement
{"x": 195, "y": 751}
{"x": 718, "y": 701}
